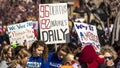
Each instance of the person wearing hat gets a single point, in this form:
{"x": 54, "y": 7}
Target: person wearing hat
{"x": 89, "y": 58}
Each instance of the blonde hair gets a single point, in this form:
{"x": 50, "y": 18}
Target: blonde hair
{"x": 68, "y": 58}
{"x": 18, "y": 58}
{"x": 110, "y": 50}
{"x": 4, "y": 53}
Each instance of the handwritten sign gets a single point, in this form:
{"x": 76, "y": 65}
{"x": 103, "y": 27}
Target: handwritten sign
{"x": 53, "y": 20}
{"x": 19, "y": 33}
{"x": 87, "y": 34}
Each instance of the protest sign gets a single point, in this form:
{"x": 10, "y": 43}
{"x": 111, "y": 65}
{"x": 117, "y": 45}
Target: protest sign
{"x": 87, "y": 34}
{"x": 22, "y": 32}
{"x": 53, "y": 21}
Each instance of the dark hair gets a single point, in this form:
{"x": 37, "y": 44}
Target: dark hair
{"x": 64, "y": 47}
{"x": 38, "y": 43}
{"x": 17, "y": 49}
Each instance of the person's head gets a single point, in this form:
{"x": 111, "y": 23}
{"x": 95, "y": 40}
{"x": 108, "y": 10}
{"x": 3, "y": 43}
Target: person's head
{"x": 109, "y": 54}
{"x": 17, "y": 49}
{"x": 88, "y": 56}
{"x": 21, "y": 58}
{"x": 63, "y": 50}
{"x": 6, "y": 53}
{"x": 39, "y": 48}
{"x": 108, "y": 51}
{"x": 68, "y": 59}
{"x": 23, "y": 55}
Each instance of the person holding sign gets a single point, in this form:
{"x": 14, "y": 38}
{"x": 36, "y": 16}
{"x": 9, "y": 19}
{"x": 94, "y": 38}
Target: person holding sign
{"x": 56, "y": 59}
{"x": 39, "y": 56}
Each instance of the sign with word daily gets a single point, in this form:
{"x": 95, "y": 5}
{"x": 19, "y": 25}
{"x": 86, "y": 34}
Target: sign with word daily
{"x": 53, "y": 20}
{"x": 87, "y": 34}
{"x": 22, "y": 32}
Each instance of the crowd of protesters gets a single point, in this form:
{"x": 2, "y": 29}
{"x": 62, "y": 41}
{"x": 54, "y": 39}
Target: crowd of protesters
{"x": 71, "y": 55}
{"x": 38, "y": 56}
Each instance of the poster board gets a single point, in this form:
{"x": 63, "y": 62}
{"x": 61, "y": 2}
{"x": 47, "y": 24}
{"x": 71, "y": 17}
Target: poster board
{"x": 22, "y": 32}
{"x": 87, "y": 34}
{"x": 53, "y": 22}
